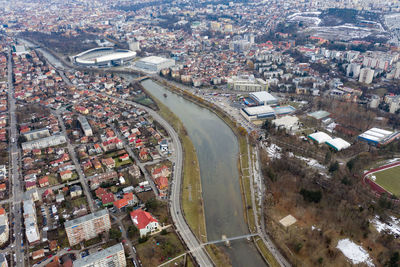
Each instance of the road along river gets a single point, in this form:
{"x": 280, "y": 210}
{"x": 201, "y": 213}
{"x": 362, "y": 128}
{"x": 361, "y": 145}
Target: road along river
{"x": 217, "y": 150}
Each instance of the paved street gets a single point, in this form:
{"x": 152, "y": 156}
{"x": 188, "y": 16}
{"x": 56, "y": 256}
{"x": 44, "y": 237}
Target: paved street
{"x": 17, "y": 190}
{"x": 132, "y": 155}
{"x": 77, "y": 165}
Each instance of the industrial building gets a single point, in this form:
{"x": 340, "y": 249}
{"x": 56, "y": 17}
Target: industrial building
{"x": 263, "y": 98}
{"x": 53, "y": 140}
{"x": 338, "y": 144}
{"x": 289, "y": 123}
{"x": 257, "y": 113}
{"x": 154, "y": 63}
{"x": 87, "y": 130}
{"x": 378, "y": 137}
{"x": 319, "y": 114}
{"x": 320, "y": 137}
{"x": 104, "y": 57}
{"x": 112, "y": 256}
{"x": 247, "y": 83}
{"x": 87, "y": 227}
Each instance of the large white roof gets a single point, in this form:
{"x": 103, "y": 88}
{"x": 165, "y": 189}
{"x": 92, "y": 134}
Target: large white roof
{"x": 154, "y": 60}
{"x": 252, "y": 111}
{"x": 338, "y": 143}
{"x": 263, "y": 96}
{"x": 375, "y": 134}
{"x": 103, "y": 54}
{"x": 320, "y": 137}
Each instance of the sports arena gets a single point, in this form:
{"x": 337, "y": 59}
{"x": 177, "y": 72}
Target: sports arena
{"x": 384, "y": 179}
{"x": 104, "y": 57}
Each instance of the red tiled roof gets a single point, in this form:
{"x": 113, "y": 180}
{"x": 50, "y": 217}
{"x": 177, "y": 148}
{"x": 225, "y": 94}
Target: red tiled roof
{"x": 141, "y": 218}
{"x": 120, "y": 203}
{"x": 107, "y": 198}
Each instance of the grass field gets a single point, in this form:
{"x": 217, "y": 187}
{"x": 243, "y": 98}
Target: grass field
{"x": 389, "y": 179}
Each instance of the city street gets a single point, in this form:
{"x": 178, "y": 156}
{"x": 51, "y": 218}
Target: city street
{"x": 17, "y": 190}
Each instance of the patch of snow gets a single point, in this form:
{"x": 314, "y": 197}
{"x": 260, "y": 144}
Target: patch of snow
{"x": 312, "y": 163}
{"x": 355, "y": 253}
{"x": 315, "y": 228}
{"x": 274, "y": 151}
{"x": 391, "y": 227}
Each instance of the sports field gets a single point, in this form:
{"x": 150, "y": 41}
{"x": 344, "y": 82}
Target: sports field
{"x": 389, "y": 179}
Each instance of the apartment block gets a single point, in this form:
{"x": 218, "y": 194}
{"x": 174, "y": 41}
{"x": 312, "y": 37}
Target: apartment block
{"x": 112, "y": 256}
{"x": 87, "y": 227}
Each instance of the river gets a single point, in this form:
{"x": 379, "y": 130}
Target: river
{"x": 217, "y": 150}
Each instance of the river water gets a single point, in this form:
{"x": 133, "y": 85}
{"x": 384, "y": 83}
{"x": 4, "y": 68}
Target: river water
{"x": 217, "y": 151}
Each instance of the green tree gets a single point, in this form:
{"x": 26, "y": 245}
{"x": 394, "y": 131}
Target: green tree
{"x": 152, "y": 204}
{"x": 132, "y": 231}
{"x": 334, "y": 167}
{"x": 115, "y": 234}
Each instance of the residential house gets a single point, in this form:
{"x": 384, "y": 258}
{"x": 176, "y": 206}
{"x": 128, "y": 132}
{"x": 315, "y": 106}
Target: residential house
{"x": 163, "y": 171}
{"x": 108, "y": 162}
{"x": 107, "y": 199}
{"x": 44, "y": 181}
{"x": 75, "y": 191}
{"x": 66, "y": 175}
{"x": 144, "y": 222}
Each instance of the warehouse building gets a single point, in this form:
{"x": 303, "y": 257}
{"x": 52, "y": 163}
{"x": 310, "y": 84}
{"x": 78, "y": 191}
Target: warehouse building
{"x": 320, "y": 137}
{"x": 338, "y": 144}
{"x": 263, "y": 98}
{"x": 289, "y": 123}
{"x": 379, "y": 137}
{"x": 257, "y": 113}
{"x": 154, "y": 63}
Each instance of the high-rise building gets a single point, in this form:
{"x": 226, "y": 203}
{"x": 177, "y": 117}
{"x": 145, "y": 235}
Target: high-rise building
{"x": 87, "y": 130}
{"x": 366, "y": 75}
{"x": 87, "y": 227}
{"x": 353, "y": 70}
{"x": 31, "y": 228}
{"x": 112, "y": 256}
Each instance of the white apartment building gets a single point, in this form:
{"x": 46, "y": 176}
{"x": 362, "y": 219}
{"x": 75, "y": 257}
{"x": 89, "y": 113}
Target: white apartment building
{"x": 112, "y": 256}
{"x": 247, "y": 83}
{"x": 87, "y": 227}
{"x": 366, "y": 75}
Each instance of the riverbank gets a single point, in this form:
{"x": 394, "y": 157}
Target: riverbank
{"x": 192, "y": 201}
{"x": 243, "y": 164}
{"x": 193, "y": 207}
